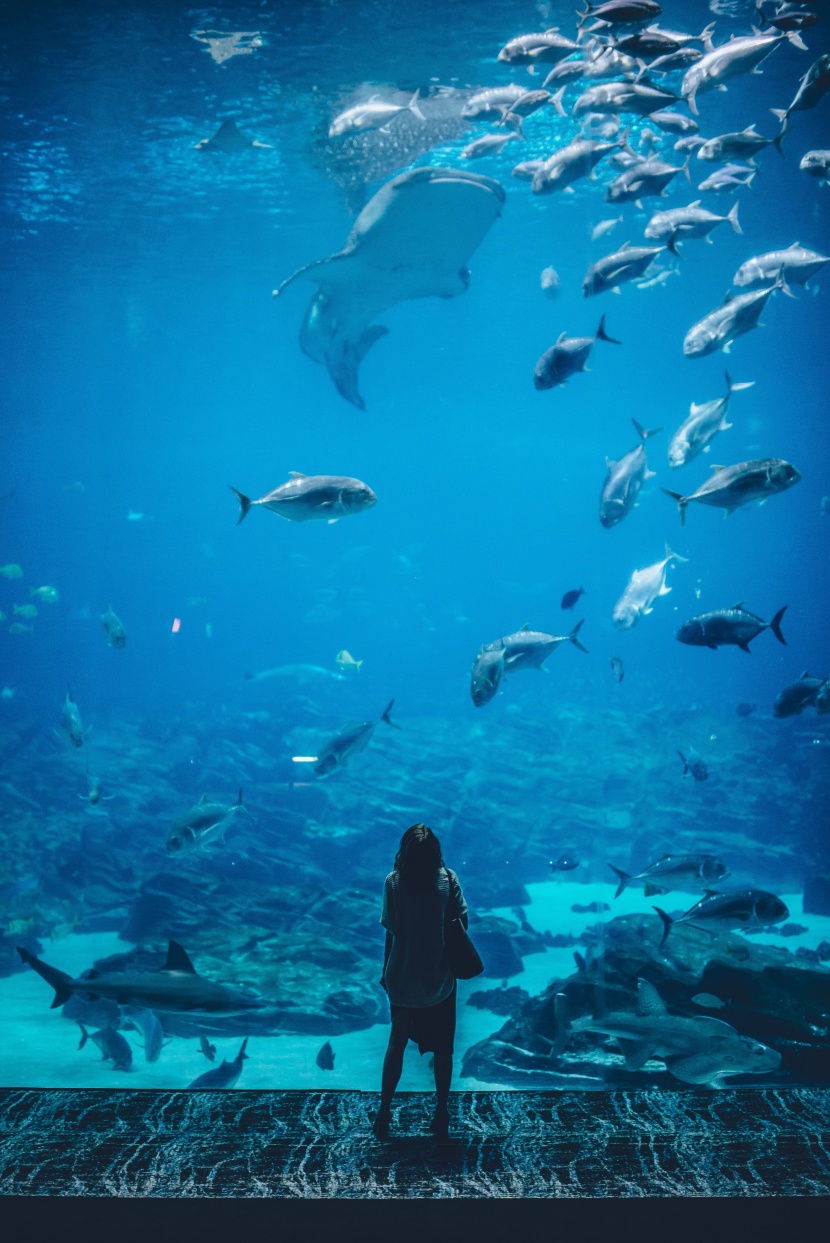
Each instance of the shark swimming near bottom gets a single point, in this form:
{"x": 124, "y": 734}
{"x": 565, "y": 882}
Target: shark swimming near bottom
{"x": 699, "y": 1049}
{"x": 176, "y": 988}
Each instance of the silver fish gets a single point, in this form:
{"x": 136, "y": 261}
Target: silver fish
{"x": 145, "y": 1021}
{"x": 568, "y": 164}
{"x": 490, "y": 144}
{"x": 696, "y": 433}
{"x": 486, "y": 676}
{"x": 673, "y": 872}
{"x": 352, "y": 739}
{"x": 328, "y": 497}
{"x": 529, "y": 649}
{"x": 796, "y": 265}
{"x": 798, "y": 695}
{"x": 114, "y": 1048}
{"x": 721, "y": 912}
{"x": 811, "y": 88}
{"x": 644, "y": 587}
{"x": 203, "y": 824}
{"x": 624, "y": 480}
{"x": 375, "y": 113}
{"x": 625, "y": 264}
{"x": 648, "y": 179}
{"x": 817, "y": 164}
{"x": 567, "y": 357}
{"x": 489, "y": 104}
{"x": 623, "y": 97}
{"x": 693, "y": 221}
{"x": 735, "y": 627}
{"x": 739, "y": 55}
{"x": 71, "y": 723}
{"x": 547, "y": 47}
{"x": 225, "y": 1075}
{"x": 741, "y": 145}
{"x": 738, "y": 315}
{"x": 730, "y": 177}
{"x": 729, "y": 487}
{"x": 674, "y": 122}
{"x": 114, "y": 628}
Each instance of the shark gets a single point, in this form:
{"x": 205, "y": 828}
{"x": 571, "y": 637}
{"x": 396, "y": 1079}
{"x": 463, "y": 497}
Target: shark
{"x": 177, "y": 988}
{"x": 698, "y": 1049}
{"x": 412, "y": 240}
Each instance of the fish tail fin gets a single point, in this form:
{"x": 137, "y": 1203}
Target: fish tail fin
{"x": 732, "y": 387}
{"x": 732, "y": 217}
{"x": 573, "y": 636}
{"x": 775, "y": 625}
{"x": 667, "y": 924}
{"x": 583, "y": 17}
{"x": 412, "y": 106}
{"x": 796, "y": 40}
{"x": 562, "y": 1013}
{"x": 239, "y": 797}
{"x": 685, "y": 169}
{"x": 780, "y": 283}
{"x": 674, "y": 556}
{"x": 556, "y": 101}
{"x": 84, "y": 1035}
{"x": 387, "y": 718}
{"x": 602, "y": 335}
{"x": 624, "y": 878}
{"x": 623, "y": 142}
{"x": 645, "y": 432}
{"x": 682, "y": 502}
{"x": 683, "y": 762}
{"x": 59, "y": 980}
{"x": 671, "y": 245}
{"x": 242, "y": 1055}
{"x": 705, "y": 36}
{"x": 245, "y": 504}
{"x": 782, "y": 114}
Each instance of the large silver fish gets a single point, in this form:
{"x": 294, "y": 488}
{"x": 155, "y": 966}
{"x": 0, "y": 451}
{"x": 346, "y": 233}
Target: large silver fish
{"x": 624, "y": 480}
{"x": 721, "y": 912}
{"x": 203, "y": 824}
{"x": 811, "y": 88}
{"x": 625, "y": 264}
{"x": 71, "y": 723}
{"x": 567, "y": 165}
{"x": 623, "y": 97}
{"x": 546, "y": 47}
{"x": 567, "y": 357}
{"x": 796, "y": 265}
{"x": 738, "y": 315}
{"x": 529, "y": 649}
{"x": 695, "y": 434}
{"x": 729, "y": 487}
{"x": 644, "y": 587}
{"x": 734, "y": 627}
{"x": 798, "y": 695}
{"x": 740, "y": 55}
{"x": 817, "y": 164}
{"x": 693, "y": 221}
{"x": 486, "y": 676}
{"x": 647, "y": 179}
{"x": 327, "y": 497}
{"x": 739, "y": 145}
{"x": 673, "y": 872}
{"x": 375, "y": 113}
{"x": 350, "y": 740}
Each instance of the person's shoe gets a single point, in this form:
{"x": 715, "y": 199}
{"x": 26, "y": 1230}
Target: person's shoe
{"x": 380, "y": 1124}
{"x": 440, "y": 1125}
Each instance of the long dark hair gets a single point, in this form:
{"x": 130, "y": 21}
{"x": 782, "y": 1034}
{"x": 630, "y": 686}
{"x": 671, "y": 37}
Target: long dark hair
{"x": 419, "y": 857}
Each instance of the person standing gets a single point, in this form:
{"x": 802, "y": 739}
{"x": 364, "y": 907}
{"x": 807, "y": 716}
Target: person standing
{"x": 420, "y": 896}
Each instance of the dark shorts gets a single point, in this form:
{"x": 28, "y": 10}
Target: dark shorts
{"x": 431, "y": 1027}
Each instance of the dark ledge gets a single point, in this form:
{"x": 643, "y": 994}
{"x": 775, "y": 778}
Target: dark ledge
{"x": 318, "y": 1145}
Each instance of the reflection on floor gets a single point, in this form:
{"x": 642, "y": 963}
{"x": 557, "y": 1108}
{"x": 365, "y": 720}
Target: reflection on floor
{"x": 748, "y": 1142}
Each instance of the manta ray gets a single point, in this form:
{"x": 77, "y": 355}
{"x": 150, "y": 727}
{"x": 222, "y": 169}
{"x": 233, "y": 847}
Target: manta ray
{"x": 411, "y": 240}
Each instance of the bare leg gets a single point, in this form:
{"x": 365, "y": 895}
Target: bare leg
{"x": 392, "y": 1068}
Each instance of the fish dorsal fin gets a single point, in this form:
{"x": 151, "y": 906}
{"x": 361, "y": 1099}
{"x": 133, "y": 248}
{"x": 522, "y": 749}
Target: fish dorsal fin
{"x": 695, "y": 204}
{"x": 609, "y": 463}
{"x": 711, "y": 893}
{"x": 727, "y": 297}
{"x": 563, "y": 336}
{"x": 177, "y": 959}
{"x": 648, "y": 999}
{"x": 523, "y": 628}
{"x": 717, "y": 466}
{"x": 625, "y": 246}
{"x": 804, "y": 675}
{"x": 296, "y": 474}
{"x": 203, "y": 800}
{"x": 739, "y": 605}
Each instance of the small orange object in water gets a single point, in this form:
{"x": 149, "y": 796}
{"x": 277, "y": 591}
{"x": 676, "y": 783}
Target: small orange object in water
{"x": 177, "y": 625}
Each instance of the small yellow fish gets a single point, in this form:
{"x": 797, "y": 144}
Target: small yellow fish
{"x": 19, "y": 628}
{"x": 48, "y": 595}
{"x": 16, "y": 927}
{"x": 346, "y": 661}
{"x": 11, "y": 571}
{"x": 63, "y": 930}
{"x": 25, "y": 610}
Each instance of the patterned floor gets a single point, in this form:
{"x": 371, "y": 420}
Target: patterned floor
{"x": 747, "y": 1142}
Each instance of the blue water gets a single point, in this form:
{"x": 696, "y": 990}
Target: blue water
{"x": 147, "y": 367}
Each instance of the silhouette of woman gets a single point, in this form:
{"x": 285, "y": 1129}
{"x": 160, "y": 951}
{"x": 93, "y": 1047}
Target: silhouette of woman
{"x": 419, "y": 897}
